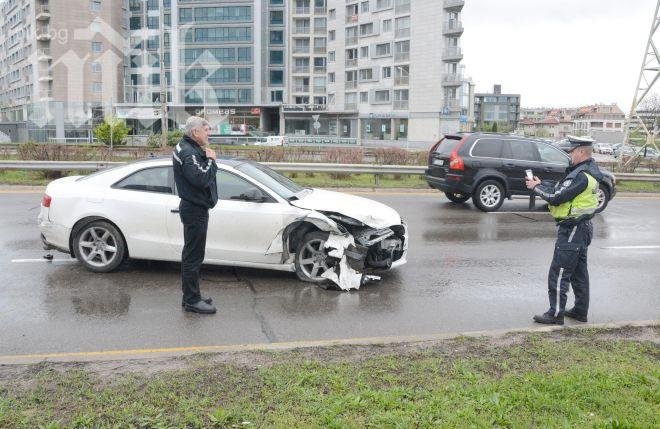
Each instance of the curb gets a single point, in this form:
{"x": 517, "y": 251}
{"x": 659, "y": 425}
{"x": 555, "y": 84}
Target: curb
{"x": 110, "y": 355}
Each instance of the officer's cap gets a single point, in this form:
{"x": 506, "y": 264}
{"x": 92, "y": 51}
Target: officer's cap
{"x": 576, "y": 142}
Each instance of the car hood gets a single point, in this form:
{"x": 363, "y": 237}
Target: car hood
{"x": 369, "y": 212}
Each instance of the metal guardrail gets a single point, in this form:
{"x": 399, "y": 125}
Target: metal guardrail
{"x": 315, "y": 167}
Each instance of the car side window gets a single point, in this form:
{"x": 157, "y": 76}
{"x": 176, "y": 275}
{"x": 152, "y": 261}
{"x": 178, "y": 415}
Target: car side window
{"x": 523, "y": 150}
{"x": 487, "y": 148}
{"x": 230, "y": 186}
{"x": 551, "y": 154}
{"x": 157, "y": 179}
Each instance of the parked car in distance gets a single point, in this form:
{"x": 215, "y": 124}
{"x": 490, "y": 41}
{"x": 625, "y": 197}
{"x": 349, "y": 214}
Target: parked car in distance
{"x": 489, "y": 167}
{"x": 605, "y": 149}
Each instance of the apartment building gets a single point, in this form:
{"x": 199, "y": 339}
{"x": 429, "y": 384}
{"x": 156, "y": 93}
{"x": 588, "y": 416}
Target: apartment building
{"x": 603, "y": 122}
{"x": 392, "y": 72}
{"x": 60, "y": 63}
{"x": 496, "y": 107}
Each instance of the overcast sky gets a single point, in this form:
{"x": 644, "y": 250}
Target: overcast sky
{"x": 557, "y": 52}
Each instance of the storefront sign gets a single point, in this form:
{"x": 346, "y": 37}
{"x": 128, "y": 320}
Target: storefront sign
{"x": 321, "y": 141}
{"x": 303, "y": 107}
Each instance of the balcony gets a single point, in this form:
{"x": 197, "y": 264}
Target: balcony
{"x": 452, "y": 104}
{"x": 351, "y": 40}
{"x": 320, "y": 49}
{"x": 300, "y": 50}
{"x": 44, "y": 34}
{"x": 319, "y": 89}
{"x": 351, "y": 62}
{"x": 301, "y": 88}
{"x": 402, "y": 56}
{"x": 44, "y": 54}
{"x": 401, "y": 80}
{"x": 454, "y": 5}
{"x": 301, "y": 30}
{"x": 46, "y": 77}
{"x": 42, "y": 13}
{"x": 452, "y": 54}
{"x": 402, "y": 32}
{"x": 453, "y": 27}
{"x": 352, "y": 19}
{"x": 350, "y": 106}
{"x": 306, "y": 10}
{"x": 402, "y": 8}
{"x": 320, "y": 30}
{"x": 46, "y": 94}
{"x": 320, "y": 10}
{"x": 320, "y": 69}
{"x": 301, "y": 69}
{"x": 351, "y": 84}
{"x": 452, "y": 79}
{"x": 400, "y": 104}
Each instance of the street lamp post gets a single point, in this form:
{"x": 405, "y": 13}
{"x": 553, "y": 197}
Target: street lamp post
{"x": 163, "y": 83}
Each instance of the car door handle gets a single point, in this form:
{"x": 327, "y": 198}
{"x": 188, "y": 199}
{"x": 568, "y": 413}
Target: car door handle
{"x": 548, "y": 169}
{"x": 174, "y": 211}
{"x": 509, "y": 164}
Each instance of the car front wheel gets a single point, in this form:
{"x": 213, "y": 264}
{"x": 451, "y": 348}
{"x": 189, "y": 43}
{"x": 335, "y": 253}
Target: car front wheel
{"x": 489, "y": 195}
{"x": 100, "y": 247}
{"x": 603, "y": 195}
{"x": 312, "y": 257}
{"x": 457, "y": 197}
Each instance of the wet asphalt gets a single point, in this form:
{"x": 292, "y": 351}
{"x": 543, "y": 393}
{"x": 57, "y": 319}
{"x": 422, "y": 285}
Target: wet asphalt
{"x": 466, "y": 271}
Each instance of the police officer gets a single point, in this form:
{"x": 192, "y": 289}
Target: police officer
{"x": 572, "y": 202}
{"x": 195, "y": 176}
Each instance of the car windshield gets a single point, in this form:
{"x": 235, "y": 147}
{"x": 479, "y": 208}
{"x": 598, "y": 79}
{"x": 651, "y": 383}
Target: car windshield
{"x": 281, "y": 185}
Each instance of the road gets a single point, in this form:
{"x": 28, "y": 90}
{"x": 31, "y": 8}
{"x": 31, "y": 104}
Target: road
{"x": 467, "y": 271}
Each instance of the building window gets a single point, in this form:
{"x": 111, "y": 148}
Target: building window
{"x": 97, "y": 47}
{"x": 365, "y": 6}
{"x": 276, "y": 17}
{"x": 364, "y": 52}
{"x": 276, "y": 58}
{"x": 383, "y": 50}
{"x": 332, "y": 14}
{"x": 276, "y": 96}
{"x": 276, "y": 77}
{"x": 364, "y": 97}
{"x": 96, "y": 67}
{"x": 135, "y": 23}
{"x": 366, "y": 29}
{"x": 382, "y": 96}
{"x": 277, "y": 2}
{"x": 95, "y": 6}
{"x": 223, "y": 14}
{"x": 223, "y": 34}
{"x": 97, "y": 87}
{"x": 331, "y": 35}
{"x": 387, "y": 25}
{"x": 244, "y": 55}
{"x": 245, "y": 75}
{"x": 331, "y": 77}
{"x": 185, "y": 15}
{"x": 366, "y": 74}
{"x": 276, "y": 37}
{"x": 152, "y": 22}
{"x": 387, "y": 72}
{"x": 331, "y": 56}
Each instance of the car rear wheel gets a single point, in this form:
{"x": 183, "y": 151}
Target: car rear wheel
{"x": 457, "y": 197}
{"x": 312, "y": 257}
{"x": 99, "y": 246}
{"x": 489, "y": 195}
{"x": 603, "y": 195}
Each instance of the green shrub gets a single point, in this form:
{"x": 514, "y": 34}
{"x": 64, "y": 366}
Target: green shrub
{"x": 118, "y": 135}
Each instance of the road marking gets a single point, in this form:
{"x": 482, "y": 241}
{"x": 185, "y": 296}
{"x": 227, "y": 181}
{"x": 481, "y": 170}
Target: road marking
{"x": 20, "y": 261}
{"x": 631, "y": 247}
{"x": 283, "y": 346}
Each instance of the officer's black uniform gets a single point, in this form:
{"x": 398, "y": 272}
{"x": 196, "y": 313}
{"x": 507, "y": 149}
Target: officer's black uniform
{"x": 195, "y": 177}
{"x": 574, "y": 234}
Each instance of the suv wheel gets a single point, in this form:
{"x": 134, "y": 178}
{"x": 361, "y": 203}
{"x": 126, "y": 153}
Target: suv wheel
{"x": 457, "y": 197}
{"x": 489, "y": 195}
{"x": 603, "y": 195}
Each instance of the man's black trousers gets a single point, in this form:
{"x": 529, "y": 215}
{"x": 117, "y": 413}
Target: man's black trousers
{"x": 569, "y": 267}
{"x": 195, "y": 221}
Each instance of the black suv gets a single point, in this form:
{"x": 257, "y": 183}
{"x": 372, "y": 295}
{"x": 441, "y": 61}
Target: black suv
{"x": 490, "y": 167}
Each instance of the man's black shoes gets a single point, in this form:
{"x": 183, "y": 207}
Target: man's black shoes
{"x": 549, "y": 319}
{"x": 575, "y": 315}
{"x": 206, "y": 300}
{"x": 201, "y": 307}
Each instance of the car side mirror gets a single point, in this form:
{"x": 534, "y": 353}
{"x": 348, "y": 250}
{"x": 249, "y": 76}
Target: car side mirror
{"x": 254, "y": 195}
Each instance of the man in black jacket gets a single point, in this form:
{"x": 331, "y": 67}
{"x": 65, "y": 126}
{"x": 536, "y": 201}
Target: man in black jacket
{"x": 572, "y": 202}
{"x": 195, "y": 176}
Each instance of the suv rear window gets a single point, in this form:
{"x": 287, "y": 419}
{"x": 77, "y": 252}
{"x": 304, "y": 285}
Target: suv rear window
{"x": 488, "y": 148}
{"x": 447, "y": 145}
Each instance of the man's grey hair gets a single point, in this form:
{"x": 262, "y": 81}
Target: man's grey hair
{"x": 193, "y": 123}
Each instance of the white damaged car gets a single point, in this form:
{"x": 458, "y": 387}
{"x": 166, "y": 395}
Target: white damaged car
{"x": 262, "y": 220}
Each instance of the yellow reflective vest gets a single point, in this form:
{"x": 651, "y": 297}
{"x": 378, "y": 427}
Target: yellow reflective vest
{"x": 584, "y": 204}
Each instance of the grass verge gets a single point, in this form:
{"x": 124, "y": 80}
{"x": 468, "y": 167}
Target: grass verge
{"x": 571, "y": 378}
{"x": 634, "y": 186}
